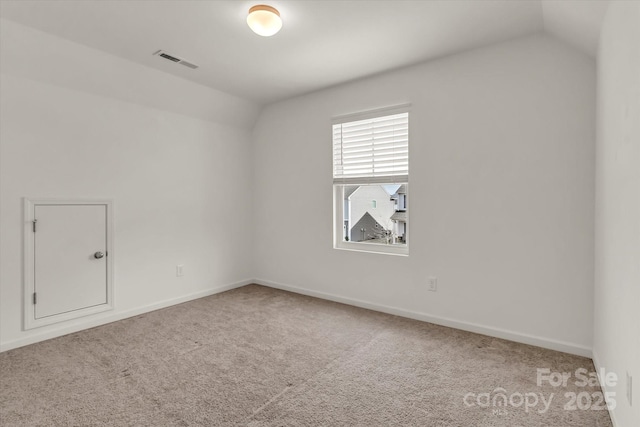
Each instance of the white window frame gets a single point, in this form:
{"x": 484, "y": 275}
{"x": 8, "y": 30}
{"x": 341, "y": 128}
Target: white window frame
{"x": 338, "y": 193}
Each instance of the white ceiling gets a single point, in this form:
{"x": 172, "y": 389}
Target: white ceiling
{"x": 322, "y": 43}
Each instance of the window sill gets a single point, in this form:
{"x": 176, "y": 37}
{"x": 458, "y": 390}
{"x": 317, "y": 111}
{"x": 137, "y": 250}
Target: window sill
{"x": 374, "y": 248}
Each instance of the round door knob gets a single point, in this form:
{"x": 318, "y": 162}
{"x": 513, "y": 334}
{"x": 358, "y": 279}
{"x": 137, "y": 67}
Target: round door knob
{"x": 98, "y": 255}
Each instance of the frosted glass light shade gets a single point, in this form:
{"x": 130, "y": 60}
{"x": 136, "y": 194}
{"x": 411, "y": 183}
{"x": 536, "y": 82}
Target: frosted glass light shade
{"x": 264, "y": 20}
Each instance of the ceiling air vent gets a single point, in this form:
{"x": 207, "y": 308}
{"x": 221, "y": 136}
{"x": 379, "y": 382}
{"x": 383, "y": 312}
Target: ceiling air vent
{"x": 173, "y": 58}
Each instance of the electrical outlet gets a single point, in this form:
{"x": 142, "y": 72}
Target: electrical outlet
{"x": 433, "y": 284}
{"x": 630, "y": 389}
{"x": 179, "y": 270}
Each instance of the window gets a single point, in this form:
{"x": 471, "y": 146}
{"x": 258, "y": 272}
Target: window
{"x": 371, "y": 181}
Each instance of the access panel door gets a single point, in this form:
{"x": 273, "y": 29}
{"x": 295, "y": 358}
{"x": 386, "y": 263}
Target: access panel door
{"x": 70, "y": 261}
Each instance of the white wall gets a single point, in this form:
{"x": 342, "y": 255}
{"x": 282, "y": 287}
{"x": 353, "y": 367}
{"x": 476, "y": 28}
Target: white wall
{"x": 501, "y": 184}
{"x": 616, "y": 344}
{"x": 175, "y": 156}
{"x": 501, "y": 204}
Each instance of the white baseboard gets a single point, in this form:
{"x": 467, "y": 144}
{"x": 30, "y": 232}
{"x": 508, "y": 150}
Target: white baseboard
{"x": 603, "y": 385}
{"x": 551, "y": 344}
{"x": 113, "y": 317}
{"x": 465, "y": 326}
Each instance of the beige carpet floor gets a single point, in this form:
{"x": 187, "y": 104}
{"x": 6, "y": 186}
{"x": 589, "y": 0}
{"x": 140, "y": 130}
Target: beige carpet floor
{"x": 260, "y": 357}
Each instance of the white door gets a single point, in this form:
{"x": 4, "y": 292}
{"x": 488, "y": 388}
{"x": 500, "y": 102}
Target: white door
{"x": 69, "y": 260}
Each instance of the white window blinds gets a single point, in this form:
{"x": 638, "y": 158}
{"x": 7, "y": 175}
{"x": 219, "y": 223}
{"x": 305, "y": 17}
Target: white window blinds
{"x": 373, "y": 150}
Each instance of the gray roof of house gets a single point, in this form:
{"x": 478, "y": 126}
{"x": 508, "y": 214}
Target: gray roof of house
{"x": 349, "y": 190}
{"x": 402, "y": 189}
{"x": 399, "y": 216}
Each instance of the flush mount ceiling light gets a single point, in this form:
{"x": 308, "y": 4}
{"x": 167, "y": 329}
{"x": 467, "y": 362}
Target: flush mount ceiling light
{"x": 264, "y": 20}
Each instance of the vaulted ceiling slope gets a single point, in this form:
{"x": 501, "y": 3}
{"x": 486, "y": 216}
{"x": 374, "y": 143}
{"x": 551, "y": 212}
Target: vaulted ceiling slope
{"x": 322, "y": 43}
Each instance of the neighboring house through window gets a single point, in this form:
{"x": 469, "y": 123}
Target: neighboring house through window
{"x": 370, "y": 178}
